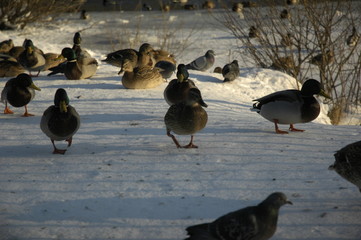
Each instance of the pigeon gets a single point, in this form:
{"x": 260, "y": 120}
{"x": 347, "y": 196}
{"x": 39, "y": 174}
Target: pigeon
{"x": 202, "y": 63}
{"x": 250, "y": 223}
{"x": 230, "y": 71}
{"x": 348, "y": 163}
{"x": 291, "y": 106}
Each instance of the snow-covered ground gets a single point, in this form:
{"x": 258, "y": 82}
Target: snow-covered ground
{"x": 123, "y": 178}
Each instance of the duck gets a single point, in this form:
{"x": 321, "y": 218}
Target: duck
{"x": 348, "y": 163}
{"x": 352, "y": 40}
{"x": 230, "y": 71}
{"x": 186, "y": 117}
{"x": 32, "y": 59}
{"x": 202, "y": 63}
{"x": 177, "y": 89}
{"x": 79, "y": 52}
{"x": 291, "y": 106}
{"x": 60, "y": 121}
{"x": 6, "y": 46}
{"x": 142, "y": 77}
{"x": 78, "y": 69}
{"x": 10, "y": 68}
{"x": 18, "y": 92}
{"x": 133, "y": 57}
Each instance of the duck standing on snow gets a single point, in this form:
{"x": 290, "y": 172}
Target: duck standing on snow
{"x": 60, "y": 121}
{"x": 203, "y": 63}
{"x": 250, "y": 223}
{"x": 291, "y": 106}
{"x": 348, "y": 163}
{"x": 187, "y": 117}
{"x": 177, "y": 89}
{"x": 18, "y": 92}
{"x": 230, "y": 71}
{"x": 78, "y": 69}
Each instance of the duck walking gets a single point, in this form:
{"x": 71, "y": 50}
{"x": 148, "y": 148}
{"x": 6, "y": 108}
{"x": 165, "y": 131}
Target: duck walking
{"x": 187, "y": 117}
{"x": 18, "y": 92}
{"x": 60, "y": 121}
{"x": 250, "y": 223}
{"x": 177, "y": 89}
{"x": 291, "y": 106}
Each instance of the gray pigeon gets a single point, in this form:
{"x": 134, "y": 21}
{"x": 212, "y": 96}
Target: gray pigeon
{"x": 230, "y": 71}
{"x": 250, "y": 223}
{"x": 202, "y": 63}
{"x": 348, "y": 163}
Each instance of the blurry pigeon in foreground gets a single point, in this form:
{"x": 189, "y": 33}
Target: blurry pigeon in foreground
{"x": 202, "y": 63}
{"x": 250, "y": 223}
{"x": 348, "y": 163}
{"x": 230, "y": 71}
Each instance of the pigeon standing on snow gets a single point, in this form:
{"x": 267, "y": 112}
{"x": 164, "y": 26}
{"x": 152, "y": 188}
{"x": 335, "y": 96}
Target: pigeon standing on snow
{"x": 348, "y": 163}
{"x": 230, "y": 71}
{"x": 202, "y": 63}
{"x": 250, "y": 223}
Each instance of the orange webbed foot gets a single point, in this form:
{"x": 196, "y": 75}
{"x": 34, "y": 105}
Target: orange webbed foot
{"x": 8, "y": 111}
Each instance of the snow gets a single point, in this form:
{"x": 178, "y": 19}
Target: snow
{"x": 123, "y": 178}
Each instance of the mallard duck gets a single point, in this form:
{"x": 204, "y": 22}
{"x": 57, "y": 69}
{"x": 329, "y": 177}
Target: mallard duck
{"x": 79, "y": 51}
{"x": 348, "y": 163}
{"x": 52, "y": 60}
{"x": 10, "y": 68}
{"x": 133, "y": 57}
{"x": 16, "y": 51}
{"x": 6, "y": 46}
{"x": 353, "y": 38}
{"x": 142, "y": 77}
{"x": 230, "y": 71}
{"x": 187, "y": 117}
{"x": 203, "y": 63}
{"x": 291, "y": 106}
{"x": 323, "y": 59}
{"x": 177, "y": 89}
{"x": 32, "y": 59}
{"x": 60, "y": 121}
{"x": 19, "y": 92}
{"x": 78, "y": 69}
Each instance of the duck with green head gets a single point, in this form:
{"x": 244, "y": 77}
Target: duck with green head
{"x": 60, "y": 121}
{"x": 76, "y": 69}
{"x": 291, "y": 106}
{"x": 18, "y": 92}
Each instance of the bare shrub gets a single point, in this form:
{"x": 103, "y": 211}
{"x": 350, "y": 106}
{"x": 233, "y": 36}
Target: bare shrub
{"x": 311, "y": 42}
{"x": 19, "y": 13}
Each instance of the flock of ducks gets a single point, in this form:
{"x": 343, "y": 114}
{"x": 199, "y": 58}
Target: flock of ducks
{"x": 148, "y": 68}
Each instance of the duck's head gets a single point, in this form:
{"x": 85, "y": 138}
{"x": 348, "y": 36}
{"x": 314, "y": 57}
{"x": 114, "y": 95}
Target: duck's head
{"x": 311, "y": 87}
{"x": 77, "y": 38}
{"x": 194, "y": 96}
{"x": 68, "y": 53}
{"x": 61, "y": 100}
{"x": 25, "y": 80}
{"x": 146, "y": 48}
{"x": 182, "y": 73}
{"x": 29, "y": 46}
